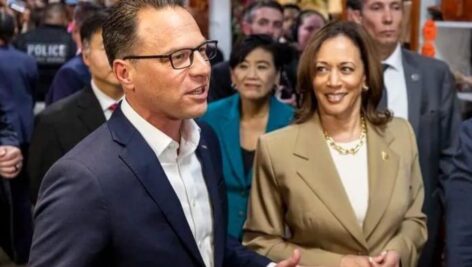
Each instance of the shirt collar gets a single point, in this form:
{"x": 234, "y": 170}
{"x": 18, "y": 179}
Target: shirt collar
{"x": 104, "y": 100}
{"x": 395, "y": 59}
{"x": 159, "y": 141}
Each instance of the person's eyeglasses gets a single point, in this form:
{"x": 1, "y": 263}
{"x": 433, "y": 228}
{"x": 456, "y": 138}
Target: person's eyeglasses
{"x": 183, "y": 58}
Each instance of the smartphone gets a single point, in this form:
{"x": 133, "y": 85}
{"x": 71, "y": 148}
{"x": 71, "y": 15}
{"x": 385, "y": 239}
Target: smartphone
{"x": 16, "y": 5}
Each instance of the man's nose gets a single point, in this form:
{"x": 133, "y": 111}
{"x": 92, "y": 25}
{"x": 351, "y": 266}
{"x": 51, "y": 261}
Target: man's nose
{"x": 200, "y": 66}
{"x": 387, "y": 16}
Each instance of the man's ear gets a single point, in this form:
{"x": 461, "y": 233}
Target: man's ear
{"x": 123, "y": 71}
{"x": 246, "y": 28}
{"x": 354, "y": 15}
{"x": 85, "y": 56}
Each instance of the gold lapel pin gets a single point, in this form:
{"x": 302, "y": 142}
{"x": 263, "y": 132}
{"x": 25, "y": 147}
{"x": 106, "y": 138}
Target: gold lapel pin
{"x": 384, "y": 155}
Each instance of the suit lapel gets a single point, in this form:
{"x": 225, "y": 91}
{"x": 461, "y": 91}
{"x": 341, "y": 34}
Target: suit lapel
{"x": 413, "y": 81}
{"x": 383, "y": 168}
{"x": 231, "y": 137}
{"x": 89, "y": 111}
{"x": 142, "y": 161}
{"x": 316, "y": 168}
{"x": 215, "y": 200}
{"x": 277, "y": 119}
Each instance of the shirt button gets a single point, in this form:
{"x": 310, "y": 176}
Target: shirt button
{"x": 241, "y": 213}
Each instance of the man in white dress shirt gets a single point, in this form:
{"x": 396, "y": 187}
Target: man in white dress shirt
{"x": 421, "y": 90}
{"x": 146, "y": 188}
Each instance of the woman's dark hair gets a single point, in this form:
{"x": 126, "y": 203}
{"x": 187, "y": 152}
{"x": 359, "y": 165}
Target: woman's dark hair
{"x": 252, "y": 42}
{"x": 372, "y": 69}
{"x": 301, "y": 16}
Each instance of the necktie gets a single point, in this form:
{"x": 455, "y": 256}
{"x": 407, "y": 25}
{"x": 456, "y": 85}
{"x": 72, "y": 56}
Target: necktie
{"x": 113, "y": 106}
{"x": 383, "y": 104}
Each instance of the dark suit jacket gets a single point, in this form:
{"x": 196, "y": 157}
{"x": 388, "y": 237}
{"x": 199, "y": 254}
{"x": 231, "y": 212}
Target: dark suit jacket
{"x": 459, "y": 202}
{"x": 7, "y": 134}
{"x": 70, "y": 78}
{"x": 434, "y": 114}
{"x": 58, "y": 129}
{"x": 108, "y": 202}
{"x": 18, "y": 76}
{"x": 8, "y": 238}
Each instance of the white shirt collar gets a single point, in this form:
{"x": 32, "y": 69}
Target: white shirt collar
{"x": 159, "y": 141}
{"x": 395, "y": 59}
{"x": 104, "y": 100}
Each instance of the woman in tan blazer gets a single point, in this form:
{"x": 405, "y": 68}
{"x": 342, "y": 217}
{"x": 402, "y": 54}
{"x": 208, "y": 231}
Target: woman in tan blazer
{"x": 343, "y": 183}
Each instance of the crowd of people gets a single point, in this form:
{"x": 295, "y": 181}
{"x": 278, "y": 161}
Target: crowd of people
{"x": 320, "y": 142}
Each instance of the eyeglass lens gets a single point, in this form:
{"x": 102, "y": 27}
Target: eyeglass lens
{"x": 184, "y": 58}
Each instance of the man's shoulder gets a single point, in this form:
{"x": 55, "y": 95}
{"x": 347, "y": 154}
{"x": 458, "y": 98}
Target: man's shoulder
{"x": 63, "y": 108}
{"x": 425, "y": 63}
{"x": 94, "y": 149}
{"x": 17, "y": 56}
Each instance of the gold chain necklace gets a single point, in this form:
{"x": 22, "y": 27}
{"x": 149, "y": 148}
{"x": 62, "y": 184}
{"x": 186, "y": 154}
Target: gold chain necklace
{"x": 346, "y": 151}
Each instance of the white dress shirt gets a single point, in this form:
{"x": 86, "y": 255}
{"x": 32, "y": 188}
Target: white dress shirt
{"x": 104, "y": 100}
{"x": 353, "y": 171}
{"x": 184, "y": 172}
{"x": 394, "y": 78}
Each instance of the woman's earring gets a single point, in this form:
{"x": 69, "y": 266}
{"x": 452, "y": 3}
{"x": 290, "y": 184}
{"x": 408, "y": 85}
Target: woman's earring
{"x": 365, "y": 88}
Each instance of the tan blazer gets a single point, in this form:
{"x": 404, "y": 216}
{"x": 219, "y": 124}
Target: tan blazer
{"x": 298, "y": 200}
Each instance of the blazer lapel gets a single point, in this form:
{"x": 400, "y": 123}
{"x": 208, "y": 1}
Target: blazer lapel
{"x": 316, "y": 168}
{"x": 413, "y": 81}
{"x": 383, "y": 168}
{"x": 142, "y": 161}
{"x": 90, "y": 112}
{"x": 277, "y": 119}
{"x": 231, "y": 137}
{"x": 211, "y": 183}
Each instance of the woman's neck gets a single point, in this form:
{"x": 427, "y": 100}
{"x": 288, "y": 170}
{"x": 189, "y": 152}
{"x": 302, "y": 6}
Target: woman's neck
{"x": 342, "y": 129}
{"x": 251, "y": 109}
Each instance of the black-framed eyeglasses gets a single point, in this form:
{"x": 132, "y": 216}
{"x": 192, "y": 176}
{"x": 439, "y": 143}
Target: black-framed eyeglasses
{"x": 183, "y": 58}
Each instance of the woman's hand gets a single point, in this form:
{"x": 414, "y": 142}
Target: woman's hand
{"x": 389, "y": 258}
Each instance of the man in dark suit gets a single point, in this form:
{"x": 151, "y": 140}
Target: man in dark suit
{"x": 74, "y": 74}
{"x": 11, "y": 160}
{"x": 421, "y": 90}
{"x": 18, "y": 77}
{"x": 65, "y": 123}
{"x": 146, "y": 188}
{"x": 458, "y": 193}
{"x": 259, "y": 17}
{"x": 50, "y": 44}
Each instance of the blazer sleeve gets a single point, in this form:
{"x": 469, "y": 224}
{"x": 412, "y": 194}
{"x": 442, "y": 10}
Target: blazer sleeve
{"x": 449, "y": 128}
{"x": 70, "y": 219}
{"x": 458, "y": 193}
{"x": 7, "y": 134}
{"x": 45, "y": 149}
{"x": 264, "y": 229}
{"x": 412, "y": 233}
